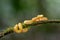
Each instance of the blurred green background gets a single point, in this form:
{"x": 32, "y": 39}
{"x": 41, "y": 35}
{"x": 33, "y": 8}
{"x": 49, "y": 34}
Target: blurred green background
{"x": 15, "y": 11}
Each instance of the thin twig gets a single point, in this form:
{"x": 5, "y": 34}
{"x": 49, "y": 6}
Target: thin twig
{"x": 10, "y": 30}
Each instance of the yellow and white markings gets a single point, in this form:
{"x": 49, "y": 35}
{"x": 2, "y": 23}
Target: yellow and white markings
{"x": 18, "y": 28}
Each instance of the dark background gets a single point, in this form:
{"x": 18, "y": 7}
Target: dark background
{"x": 15, "y": 11}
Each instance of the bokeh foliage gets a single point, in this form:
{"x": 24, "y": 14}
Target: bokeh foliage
{"x": 15, "y": 11}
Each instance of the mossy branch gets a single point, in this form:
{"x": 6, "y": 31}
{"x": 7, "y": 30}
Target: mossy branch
{"x": 10, "y": 30}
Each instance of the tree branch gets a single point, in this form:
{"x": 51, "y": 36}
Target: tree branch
{"x": 10, "y": 30}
